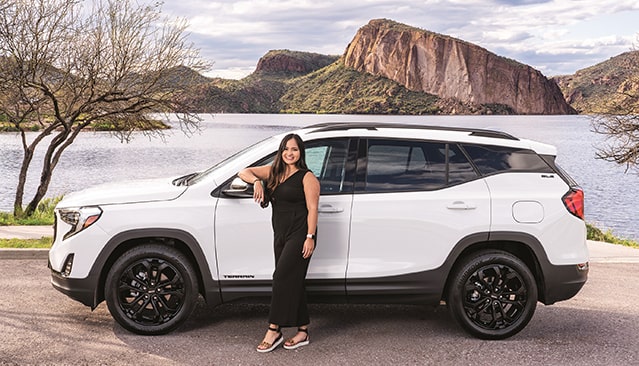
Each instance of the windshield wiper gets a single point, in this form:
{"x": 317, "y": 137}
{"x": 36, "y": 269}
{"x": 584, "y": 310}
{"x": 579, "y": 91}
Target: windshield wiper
{"x": 184, "y": 181}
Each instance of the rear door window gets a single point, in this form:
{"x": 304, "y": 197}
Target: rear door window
{"x": 407, "y": 165}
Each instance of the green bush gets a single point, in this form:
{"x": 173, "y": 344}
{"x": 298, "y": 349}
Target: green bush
{"x": 597, "y": 234}
{"x": 43, "y": 215}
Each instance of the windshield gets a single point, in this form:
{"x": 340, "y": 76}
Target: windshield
{"x": 202, "y": 175}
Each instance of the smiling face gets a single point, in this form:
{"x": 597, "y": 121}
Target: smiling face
{"x": 291, "y": 153}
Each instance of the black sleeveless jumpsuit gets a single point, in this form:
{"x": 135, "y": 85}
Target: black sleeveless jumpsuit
{"x": 290, "y": 226}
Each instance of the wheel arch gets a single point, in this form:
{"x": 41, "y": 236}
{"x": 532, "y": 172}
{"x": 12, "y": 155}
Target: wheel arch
{"x": 523, "y": 246}
{"x": 181, "y": 240}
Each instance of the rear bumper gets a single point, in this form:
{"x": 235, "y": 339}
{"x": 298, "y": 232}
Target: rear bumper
{"x": 563, "y": 282}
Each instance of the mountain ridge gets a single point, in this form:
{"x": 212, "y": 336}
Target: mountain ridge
{"x": 364, "y": 80}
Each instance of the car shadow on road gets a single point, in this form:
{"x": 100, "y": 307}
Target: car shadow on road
{"x": 410, "y": 334}
{"x": 334, "y": 317}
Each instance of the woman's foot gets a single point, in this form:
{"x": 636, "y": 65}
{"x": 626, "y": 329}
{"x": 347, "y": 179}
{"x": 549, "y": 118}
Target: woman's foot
{"x": 272, "y": 339}
{"x": 300, "y": 339}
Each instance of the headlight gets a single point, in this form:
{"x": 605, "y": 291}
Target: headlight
{"x": 79, "y": 218}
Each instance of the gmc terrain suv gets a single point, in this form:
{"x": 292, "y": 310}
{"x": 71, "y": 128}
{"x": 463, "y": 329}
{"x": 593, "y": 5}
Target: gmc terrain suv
{"x": 412, "y": 214}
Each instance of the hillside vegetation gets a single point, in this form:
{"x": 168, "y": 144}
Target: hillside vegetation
{"x": 253, "y": 94}
{"x": 337, "y": 89}
{"x": 595, "y": 89}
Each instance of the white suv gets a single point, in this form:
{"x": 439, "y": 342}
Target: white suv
{"x": 409, "y": 214}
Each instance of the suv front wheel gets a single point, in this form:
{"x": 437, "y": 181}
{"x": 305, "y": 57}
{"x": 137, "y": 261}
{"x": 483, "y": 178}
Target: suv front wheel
{"x": 151, "y": 289}
{"x": 492, "y": 294}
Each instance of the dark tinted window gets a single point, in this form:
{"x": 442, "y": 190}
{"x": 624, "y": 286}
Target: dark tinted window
{"x": 492, "y": 159}
{"x": 414, "y": 165}
{"x": 460, "y": 169}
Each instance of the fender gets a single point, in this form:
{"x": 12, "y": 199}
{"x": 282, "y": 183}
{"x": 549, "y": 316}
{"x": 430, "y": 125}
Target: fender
{"x": 496, "y": 240}
{"x": 555, "y": 282}
{"x": 210, "y": 287}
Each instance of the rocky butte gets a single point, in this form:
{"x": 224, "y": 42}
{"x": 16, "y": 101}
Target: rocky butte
{"x": 451, "y": 68}
{"x": 276, "y": 61}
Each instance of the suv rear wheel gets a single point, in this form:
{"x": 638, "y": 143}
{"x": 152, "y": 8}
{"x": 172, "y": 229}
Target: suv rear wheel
{"x": 151, "y": 289}
{"x": 492, "y": 294}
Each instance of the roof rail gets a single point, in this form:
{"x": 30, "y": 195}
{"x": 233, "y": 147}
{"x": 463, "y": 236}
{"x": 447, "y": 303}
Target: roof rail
{"x": 344, "y": 126}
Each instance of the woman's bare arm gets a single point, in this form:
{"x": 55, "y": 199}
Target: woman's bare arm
{"x": 249, "y": 175}
{"x": 312, "y": 193}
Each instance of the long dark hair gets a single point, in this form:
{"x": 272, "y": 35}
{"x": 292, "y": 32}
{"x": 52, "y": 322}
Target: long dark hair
{"x": 278, "y": 169}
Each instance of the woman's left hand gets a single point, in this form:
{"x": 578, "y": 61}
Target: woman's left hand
{"x": 258, "y": 191}
{"x": 308, "y": 248}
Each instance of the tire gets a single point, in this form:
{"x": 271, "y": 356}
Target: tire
{"x": 151, "y": 289}
{"x": 492, "y": 294}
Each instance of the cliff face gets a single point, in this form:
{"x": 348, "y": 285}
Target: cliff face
{"x": 451, "y": 68}
{"x": 285, "y": 61}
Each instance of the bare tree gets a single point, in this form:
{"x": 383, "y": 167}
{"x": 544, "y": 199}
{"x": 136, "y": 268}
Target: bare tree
{"x": 622, "y": 144}
{"x": 620, "y": 124}
{"x": 64, "y": 66}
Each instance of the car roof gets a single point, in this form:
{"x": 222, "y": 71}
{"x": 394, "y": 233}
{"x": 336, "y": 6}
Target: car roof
{"x": 427, "y": 132}
{"x": 344, "y": 126}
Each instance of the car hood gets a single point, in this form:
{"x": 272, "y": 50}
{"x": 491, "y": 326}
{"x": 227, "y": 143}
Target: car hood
{"x": 124, "y": 192}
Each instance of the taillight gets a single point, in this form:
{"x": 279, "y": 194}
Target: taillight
{"x": 574, "y": 202}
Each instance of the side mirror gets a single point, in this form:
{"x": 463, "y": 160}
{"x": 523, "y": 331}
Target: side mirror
{"x": 238, "y": 188}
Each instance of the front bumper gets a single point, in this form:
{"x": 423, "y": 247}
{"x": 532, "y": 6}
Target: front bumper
{"x": 79, "y": 289}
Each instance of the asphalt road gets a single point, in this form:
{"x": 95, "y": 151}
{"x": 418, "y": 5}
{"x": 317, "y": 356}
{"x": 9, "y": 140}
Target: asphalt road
{"x": 38, "y": 325}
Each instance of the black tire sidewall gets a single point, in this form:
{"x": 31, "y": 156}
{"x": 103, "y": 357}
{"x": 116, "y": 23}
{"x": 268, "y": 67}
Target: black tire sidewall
{"x": 466, "y": 269}
{"x": 169, "y": 254}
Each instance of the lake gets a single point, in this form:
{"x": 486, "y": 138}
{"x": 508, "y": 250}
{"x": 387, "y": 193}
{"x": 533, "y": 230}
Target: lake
{"x": 97, "y": 157}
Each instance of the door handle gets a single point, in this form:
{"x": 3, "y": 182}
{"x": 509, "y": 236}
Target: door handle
{"x": 460, "y": 205}
{"x": 329, "y": 209}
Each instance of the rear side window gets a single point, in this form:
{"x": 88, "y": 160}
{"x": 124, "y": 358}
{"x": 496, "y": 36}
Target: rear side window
{"x": 414, "y": 166}
{"x": 496, "y": 159}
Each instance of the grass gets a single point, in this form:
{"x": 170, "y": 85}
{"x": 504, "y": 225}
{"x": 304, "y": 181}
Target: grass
{"x": 42, "y": 216}
{"x": 44, "y": 242}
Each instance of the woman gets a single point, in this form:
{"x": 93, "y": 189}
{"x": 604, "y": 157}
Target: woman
{"x": 294, "y": 194}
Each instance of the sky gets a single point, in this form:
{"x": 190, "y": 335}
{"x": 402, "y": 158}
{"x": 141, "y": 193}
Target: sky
{"x": 556, "y": 37}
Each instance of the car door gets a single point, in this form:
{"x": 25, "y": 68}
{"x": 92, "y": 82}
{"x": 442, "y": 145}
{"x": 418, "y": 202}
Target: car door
{"x": 414, "y": 201}
{"x": 244, "y": 236}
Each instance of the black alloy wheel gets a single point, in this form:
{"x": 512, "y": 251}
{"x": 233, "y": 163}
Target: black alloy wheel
{"x": 493, "y": 295}
{"x": 151, "y": 289}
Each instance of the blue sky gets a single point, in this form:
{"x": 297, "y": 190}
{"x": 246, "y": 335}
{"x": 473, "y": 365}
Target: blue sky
{"x": 554, "y": 36}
